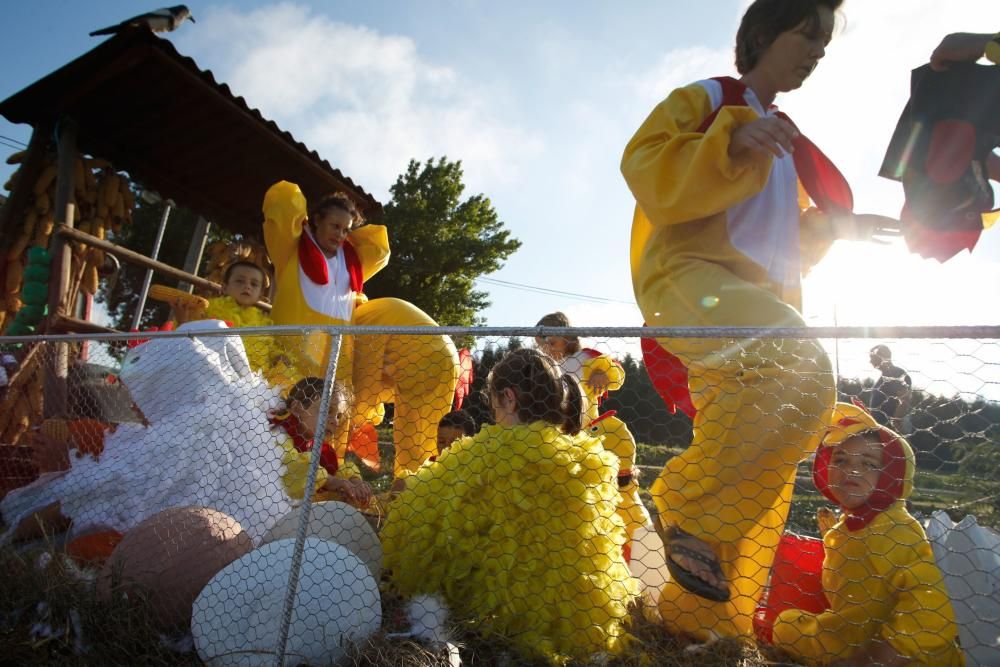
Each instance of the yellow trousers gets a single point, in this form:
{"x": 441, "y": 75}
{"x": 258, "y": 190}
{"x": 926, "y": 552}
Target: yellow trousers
{"x": 416, "y": 373}
{"x": 762, "y": 405}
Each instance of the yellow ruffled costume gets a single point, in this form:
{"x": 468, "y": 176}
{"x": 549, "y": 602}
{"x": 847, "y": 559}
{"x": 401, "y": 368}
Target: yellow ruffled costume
{"x": 265, "y": 353}
{"x": 881, "y": 579}
{"x": 517, "y": 527}
{"x": 296, "y": 473}
{"x": 718, "y": 241}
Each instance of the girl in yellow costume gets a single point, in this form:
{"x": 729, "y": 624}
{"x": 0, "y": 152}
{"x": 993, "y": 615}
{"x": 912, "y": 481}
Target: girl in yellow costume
{"x": 298, "y": 421}
{"x": 718, "y": 239}
{"x": 598, "y": 374}
{"x": 888, "y": 603}
{"x": 321, "y": 262}
{"x": 516, "y": 526}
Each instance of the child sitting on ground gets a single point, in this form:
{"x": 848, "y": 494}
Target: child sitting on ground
{"x": 299, "y": 421}
{"x": 516, "y": 525}
{"x": 453, "y": 426}
{"x": 888, "y": 603}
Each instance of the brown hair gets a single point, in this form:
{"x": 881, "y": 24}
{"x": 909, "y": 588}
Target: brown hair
{"x": 308, "y": 390}
{"x": 459, "y": 419}
{"x": 229, "y": 272}
{"x": 540, "y": 393}
{"x": 560, "y": 319}
{"x": 336, "y": 200}
{"x": 764, "y": 20}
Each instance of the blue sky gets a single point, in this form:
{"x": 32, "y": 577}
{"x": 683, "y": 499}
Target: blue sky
{"x": 538, "y": 99}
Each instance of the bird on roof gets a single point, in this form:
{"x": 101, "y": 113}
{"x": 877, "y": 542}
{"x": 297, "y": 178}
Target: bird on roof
{"x": 166, "y": 19}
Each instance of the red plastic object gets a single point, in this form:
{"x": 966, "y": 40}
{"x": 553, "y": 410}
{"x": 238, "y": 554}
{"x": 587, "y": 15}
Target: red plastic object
{"x": 796, "y": 582}
{"x": 93, "y": 549}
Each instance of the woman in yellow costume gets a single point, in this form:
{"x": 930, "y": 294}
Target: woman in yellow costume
{"x": 888, "y": 603}
{"x": 719, "y": 239}
{"x": 598, "y": 374}
{"x": 321, "y": 261}
{"x": 516, "y": 526}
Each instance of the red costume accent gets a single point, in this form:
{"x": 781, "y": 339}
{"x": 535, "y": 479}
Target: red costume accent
{"x": 293, "y": 427}
{"x": 314, "y": 264}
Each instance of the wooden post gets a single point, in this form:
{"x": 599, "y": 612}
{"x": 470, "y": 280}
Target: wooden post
{"x": 57, "y": 366}
{"x": 195, "y": 251}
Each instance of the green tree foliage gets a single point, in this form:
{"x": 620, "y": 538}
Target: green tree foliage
{"x": 440, "y": 244}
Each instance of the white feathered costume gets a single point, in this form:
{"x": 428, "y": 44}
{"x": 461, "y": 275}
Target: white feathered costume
{"x": 208, "y": 443}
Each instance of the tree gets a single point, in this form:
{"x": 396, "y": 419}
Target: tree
{"x": 440, "y": 244}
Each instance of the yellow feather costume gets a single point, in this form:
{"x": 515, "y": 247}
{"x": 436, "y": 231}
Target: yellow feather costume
{"x": 517, "y": 527}
{"x": 619, "y": 441}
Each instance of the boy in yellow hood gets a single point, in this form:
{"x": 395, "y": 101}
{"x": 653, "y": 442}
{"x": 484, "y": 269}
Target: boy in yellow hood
{"x": 888, "y": 603}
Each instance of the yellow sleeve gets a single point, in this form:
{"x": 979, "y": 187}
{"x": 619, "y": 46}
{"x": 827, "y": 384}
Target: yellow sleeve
{"x": 678, "y": 174}
{"x": 297, "y": 471}
{"x": 922, "y": 623}
{"x": 827, "y": 635}
{"x": 371, "y": 242}
{"x": 285, "y": 213}
{"x": 816, "y": 237}
{"x": 607, "y": 365}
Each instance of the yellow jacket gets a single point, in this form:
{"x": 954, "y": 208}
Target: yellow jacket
{"x": 285, "y": 213}
{"x": 695, "y": 202}
{"x": 517, "y": 527}
{"x": 879, "y": 573}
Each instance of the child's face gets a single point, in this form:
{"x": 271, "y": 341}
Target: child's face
{"x": 244, "y": 285}
{"x": 554, "y": 346}
{"x": 447, "y": 435}
{"x": 855, "y": 468}
{"x": 309, "y": 417}
{"x": 331, "y": 229}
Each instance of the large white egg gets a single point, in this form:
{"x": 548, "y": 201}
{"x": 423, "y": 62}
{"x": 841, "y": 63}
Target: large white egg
{"x": 236, "y": 619}
{"x": 337, "y": 522}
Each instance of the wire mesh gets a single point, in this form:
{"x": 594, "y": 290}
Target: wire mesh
{"x": 155, "y": 504}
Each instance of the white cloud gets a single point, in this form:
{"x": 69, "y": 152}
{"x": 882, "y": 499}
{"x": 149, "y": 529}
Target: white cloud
{"x": 366, "y": 101}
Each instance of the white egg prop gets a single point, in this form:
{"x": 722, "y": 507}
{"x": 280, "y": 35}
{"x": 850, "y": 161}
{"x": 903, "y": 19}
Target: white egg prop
{"x": 648, "y": 564}
{"x": 337, "y": 522}
{"x": 237, "y": 617}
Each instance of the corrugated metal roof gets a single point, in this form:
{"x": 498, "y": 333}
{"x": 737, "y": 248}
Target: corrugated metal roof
{"x": 156, "y": 115}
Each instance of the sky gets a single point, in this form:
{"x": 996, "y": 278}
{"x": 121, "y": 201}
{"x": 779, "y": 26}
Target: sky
{"x": 538, "y": 100}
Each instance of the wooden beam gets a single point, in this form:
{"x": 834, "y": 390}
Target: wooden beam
{"x": 66, "y": 324}
{"x": 138, "y": 259}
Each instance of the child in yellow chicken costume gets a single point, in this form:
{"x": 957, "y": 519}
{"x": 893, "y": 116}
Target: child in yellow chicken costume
{"x": 516, "y": 526}
{"x": 719, "y": 239}
{"x": 888, "y": 602}
{"x": 321, "y": 262}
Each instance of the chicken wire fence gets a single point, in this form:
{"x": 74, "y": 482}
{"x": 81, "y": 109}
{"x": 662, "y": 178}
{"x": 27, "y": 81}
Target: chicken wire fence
{"x": 163, "y": 476}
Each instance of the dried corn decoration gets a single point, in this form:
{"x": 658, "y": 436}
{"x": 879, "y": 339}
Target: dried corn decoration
{"x": 220, "y": 255}
{"x": 21, "y": 402}
{"x": 103, "y": 202}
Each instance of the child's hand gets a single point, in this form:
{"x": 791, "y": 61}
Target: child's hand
{"x": 825, "y": 519}
{"x": 599, "y": 382}
{"x": 765, "y": 137}
{"x": 360, "y": 492}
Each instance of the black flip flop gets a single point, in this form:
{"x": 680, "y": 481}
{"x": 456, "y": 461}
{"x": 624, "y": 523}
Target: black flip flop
{"x": 685, "y": 578}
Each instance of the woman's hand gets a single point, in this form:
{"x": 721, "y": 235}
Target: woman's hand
{"x": 354, "y": 490}
{"x": 959, "y": 47}
{"x": 766, "y": 137}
